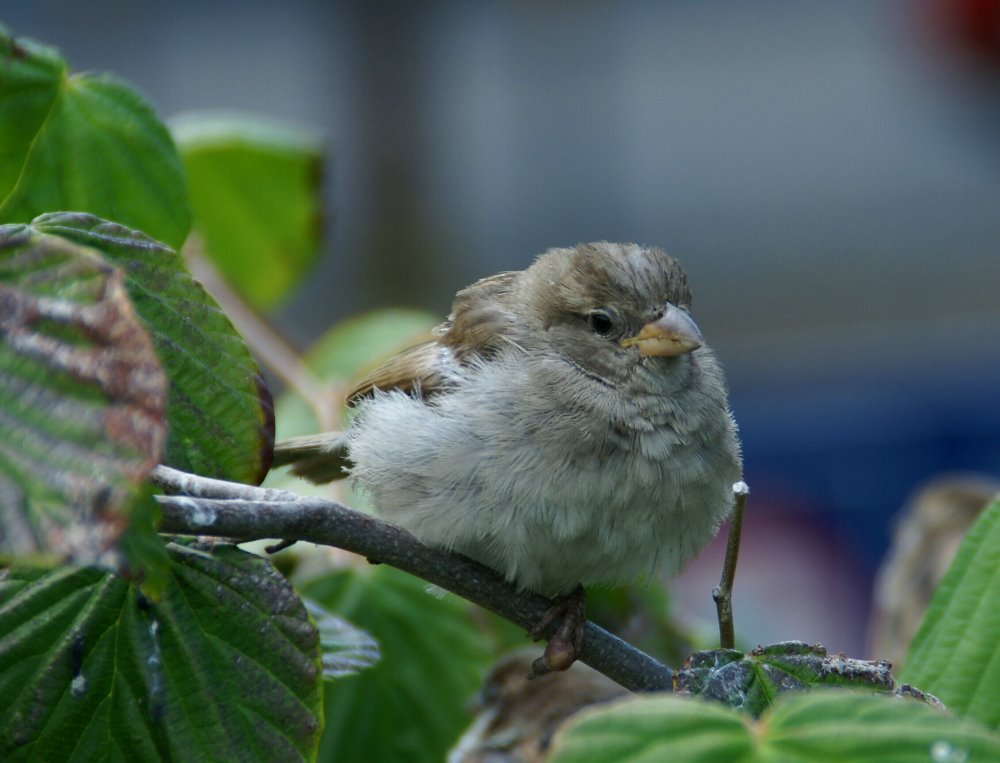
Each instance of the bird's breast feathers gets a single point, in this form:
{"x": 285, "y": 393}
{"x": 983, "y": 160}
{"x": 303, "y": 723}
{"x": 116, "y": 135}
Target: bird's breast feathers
{"x": 549, "y": 492}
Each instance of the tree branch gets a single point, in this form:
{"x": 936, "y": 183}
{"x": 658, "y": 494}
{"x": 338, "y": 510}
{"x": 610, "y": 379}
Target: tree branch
{"x": 230, "y": 510}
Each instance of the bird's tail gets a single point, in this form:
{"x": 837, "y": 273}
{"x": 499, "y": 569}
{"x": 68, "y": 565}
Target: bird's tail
{"x": 318, "y": 458}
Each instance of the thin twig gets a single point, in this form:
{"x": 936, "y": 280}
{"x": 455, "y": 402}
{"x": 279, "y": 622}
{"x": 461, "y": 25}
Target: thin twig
{"x": 178, "y": 482}
{"x": 329, "y": 523}
{"x": 723, "y": 593}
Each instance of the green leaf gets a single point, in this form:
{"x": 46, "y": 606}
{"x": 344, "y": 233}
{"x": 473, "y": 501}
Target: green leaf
{"x": 256, "y": 194}
{"x": 225, "y": 667}
{"x": 82, "y": 398}
{"x": 219, "y": 408}
{"x": 346, "y": 649}
{"x": 412, "y": 705}
{"x": 644, "y": 729}
{"x": 821, "y": 727}
{"x": 86, "y": 142}
{"x": 144, "y": 553}
{"x": 956, "y": 652}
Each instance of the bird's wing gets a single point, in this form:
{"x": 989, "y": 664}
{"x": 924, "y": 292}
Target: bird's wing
{"x": 479, "y": 325}
{"x": 420, "y": 370}
{"x": 481, "y": 320}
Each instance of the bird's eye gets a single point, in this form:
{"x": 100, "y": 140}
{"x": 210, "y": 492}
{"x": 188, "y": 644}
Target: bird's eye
{"x": 602, "y": 321}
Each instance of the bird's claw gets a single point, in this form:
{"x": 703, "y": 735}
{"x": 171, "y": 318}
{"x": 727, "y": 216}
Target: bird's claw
{"x": 567, "y": 641}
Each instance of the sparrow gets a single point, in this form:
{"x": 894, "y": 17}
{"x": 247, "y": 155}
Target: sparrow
{"x": 566, "y": 426}
{"x": 515, "y": 719}
{"x": 927, "y": 535}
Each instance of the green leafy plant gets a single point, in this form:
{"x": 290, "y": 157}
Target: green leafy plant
{"x": 117, "y": 642}
{"x": 956, "y": 649}
{"x": 223, "y": 665}
{"x": 84, "y": 142}
{"x": 821, "y": 726}
{"x": 263, "y": 236}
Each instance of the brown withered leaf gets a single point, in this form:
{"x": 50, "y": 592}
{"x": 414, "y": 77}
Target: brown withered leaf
{"x": 220, "y": 411}
{"x": 82, "y": 399}
{"x": 750, "y": 682}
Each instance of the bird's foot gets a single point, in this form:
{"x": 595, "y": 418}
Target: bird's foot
{"x": 567, "y": 641}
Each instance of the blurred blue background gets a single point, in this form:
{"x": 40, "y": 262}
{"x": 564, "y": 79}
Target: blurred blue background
{"x": 829, "y": 174}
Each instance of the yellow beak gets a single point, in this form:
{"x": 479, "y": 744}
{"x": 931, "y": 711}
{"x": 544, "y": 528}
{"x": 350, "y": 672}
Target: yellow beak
{"x": 673, "y": 333}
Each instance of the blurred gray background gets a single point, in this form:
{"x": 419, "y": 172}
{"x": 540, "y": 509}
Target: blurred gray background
{"x": 828, "y": 172}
